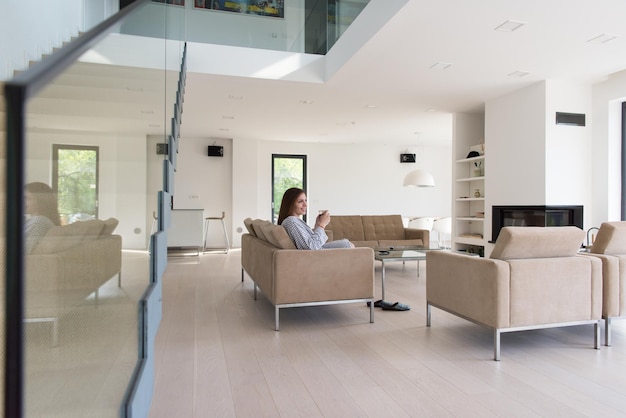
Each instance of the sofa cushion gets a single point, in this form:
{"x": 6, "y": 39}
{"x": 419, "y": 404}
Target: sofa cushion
{"x": 268, "y": 228}
{"x": 348, "y": 227}
{"x": 257, "y": 225}
{"x": 248, "y": 224}
{"x": 383, "y": 227}
{"x": 516, "y": 242}
{"x": 109, "y": 226}
{"x": 611, "y": 239}
{"x": 281, "y": 237}
{"x": 62, "y": 238}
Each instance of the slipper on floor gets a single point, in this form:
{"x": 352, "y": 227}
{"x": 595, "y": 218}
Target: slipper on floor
{"x": 396, "y": 307}
{"x": 377, "y": 304}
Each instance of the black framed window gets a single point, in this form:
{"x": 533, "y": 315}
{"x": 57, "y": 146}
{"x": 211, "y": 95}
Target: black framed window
{"x": 287, "y": 171}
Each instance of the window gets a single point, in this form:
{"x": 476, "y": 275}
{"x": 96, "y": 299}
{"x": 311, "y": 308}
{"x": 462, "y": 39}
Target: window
{"x": 287, "y": 171}
{"x": 75, "y": 179}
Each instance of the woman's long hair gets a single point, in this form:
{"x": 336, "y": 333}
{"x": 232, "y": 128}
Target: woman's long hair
{"x": 289, "y": 200}
{"x": 45, "y": 201}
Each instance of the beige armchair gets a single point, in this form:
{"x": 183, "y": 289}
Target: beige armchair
{"x": 534, "y": 279}
{"x": 610, "y": 247}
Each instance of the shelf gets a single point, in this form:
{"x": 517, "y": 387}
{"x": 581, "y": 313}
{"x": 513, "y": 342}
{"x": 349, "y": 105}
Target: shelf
{"x": 470, "y": 218}
{"x": 469, "y": 160}
{"x": 469, "y": 199}
{"x": 469, "y": 241}
{"x": 471, "y": 179}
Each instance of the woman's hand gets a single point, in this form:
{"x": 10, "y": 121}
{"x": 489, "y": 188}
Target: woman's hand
{"x": 323, "y": 219}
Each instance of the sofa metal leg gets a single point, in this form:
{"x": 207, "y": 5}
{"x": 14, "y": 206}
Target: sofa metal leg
{"x": 596, "y": 335}
{"x": 242, "y": 274}
{"x": 255, "y": 286}
{"x": 276, "y": 315}
{"x": 371, "y": 312}
{"x": 496, "y": 344}
{"x": 607, "y": 332}
{"x": 119, "y": 279}
{"x": 427, "y": 314}
{"x": 55, "y": 332}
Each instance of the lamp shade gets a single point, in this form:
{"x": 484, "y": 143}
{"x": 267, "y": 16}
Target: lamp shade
{"x": 419, "y": 178}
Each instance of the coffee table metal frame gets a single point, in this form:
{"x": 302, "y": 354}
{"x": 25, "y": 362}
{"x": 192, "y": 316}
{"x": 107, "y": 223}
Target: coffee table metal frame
{"x": 403, "y": 253}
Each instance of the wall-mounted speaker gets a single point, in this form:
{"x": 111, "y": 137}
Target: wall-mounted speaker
{"x": 407, "y": 158}
{"x": 216, "y": 151}
{"x": 162, "y": 149}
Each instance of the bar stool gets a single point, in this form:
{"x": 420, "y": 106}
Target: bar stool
{"x": 206, "y": 231}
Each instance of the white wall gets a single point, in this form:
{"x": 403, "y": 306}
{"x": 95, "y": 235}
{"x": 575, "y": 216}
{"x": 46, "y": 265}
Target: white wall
{"x": 203, "y": 182}
{"x": 606, "y": 149}
{"x": 515, "y": 144}
{"x": 533, "y": 161}
{"x": 568, "y": 147}
{"x": 345, "y": 179}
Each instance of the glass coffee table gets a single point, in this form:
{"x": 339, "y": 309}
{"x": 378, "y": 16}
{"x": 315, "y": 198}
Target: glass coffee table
{"x": 401, "y": 253}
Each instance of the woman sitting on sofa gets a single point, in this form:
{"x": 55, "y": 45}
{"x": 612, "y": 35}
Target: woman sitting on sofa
{"x": 292, "y": 207}
{"x": 41, "y": 213}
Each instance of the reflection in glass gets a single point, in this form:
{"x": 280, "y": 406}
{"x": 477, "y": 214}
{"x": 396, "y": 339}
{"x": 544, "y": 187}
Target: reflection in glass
{"x": 88, "y": 137}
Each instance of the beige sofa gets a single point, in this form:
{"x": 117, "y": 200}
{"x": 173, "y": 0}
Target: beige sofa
{"x": 535, "y": 278}
{"x": 610, "y": 248}
{"x": 67, "y": 265}
{"x": 375, "y": 231}
{"x": 290, "y": 278}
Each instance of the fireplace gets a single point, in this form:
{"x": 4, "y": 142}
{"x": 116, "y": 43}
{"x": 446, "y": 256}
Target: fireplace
{"x": 535, "y": 216}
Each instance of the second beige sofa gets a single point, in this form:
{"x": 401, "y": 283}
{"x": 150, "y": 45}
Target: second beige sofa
{"x": 375, "y": 231}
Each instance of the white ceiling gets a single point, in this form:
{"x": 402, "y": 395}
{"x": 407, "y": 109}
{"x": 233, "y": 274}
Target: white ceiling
{"x": 387, "y": 91}
{"x": 383, "y": 92}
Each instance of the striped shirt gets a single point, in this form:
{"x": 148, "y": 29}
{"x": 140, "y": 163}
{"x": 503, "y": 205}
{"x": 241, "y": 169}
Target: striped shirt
{"x": 306, "y": 238}
{"x": 35, "y": 228}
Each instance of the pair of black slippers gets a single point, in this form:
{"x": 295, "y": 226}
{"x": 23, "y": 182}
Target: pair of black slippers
{"x": 388, "y": 306}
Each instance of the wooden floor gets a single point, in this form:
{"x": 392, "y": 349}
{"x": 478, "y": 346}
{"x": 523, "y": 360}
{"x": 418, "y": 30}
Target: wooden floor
{"x": 217, "y": 355}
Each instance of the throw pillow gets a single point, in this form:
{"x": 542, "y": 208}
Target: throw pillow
{"x": 280, "y": 235}
{"x": 258, "y": 230}
{"x": 248, "y": 224}
{"x": 109, "y": 226}
{"x": 268, "y": 229}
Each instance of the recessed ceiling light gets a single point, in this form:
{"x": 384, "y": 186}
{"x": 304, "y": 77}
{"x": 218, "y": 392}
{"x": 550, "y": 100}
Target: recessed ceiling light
{"x": 234, "y": 97}
{"x": 228, "y": 117}
{"x": 602, "y": 38}
{"x": 224, "y": 129}
{"x": 370, "y": 106}
{"x": 509, "y": 26}
{"x": 441, "y": 65}
{"x": 518, "y": 74}
{"x": 306, "y": 102}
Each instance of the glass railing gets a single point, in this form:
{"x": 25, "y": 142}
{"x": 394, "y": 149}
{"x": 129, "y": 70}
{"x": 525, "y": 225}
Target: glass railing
{"x": 84, "y": 194}
{"x": 84, "y": 179}
{"x": 302, "y": 26}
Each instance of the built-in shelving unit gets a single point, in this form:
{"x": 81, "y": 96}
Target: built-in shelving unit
{"x": 468, "y": 191}
{"x": 469, "y": 214}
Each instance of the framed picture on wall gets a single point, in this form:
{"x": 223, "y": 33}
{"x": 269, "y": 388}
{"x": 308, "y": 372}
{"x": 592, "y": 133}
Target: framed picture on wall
{"x": 271, "y": 8}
